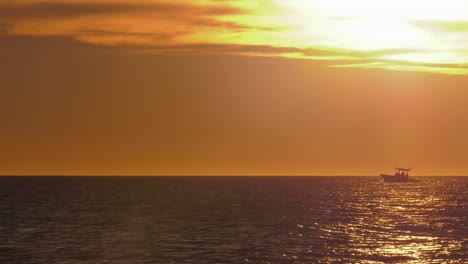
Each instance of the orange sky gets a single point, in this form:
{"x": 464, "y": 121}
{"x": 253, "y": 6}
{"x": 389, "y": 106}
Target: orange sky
{"x": 232, "y": 87}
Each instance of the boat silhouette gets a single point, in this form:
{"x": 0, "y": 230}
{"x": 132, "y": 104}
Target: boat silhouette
{"x": 401, "y": 175}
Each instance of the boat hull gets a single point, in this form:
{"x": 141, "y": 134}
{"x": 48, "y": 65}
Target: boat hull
{"x": 392, "y": 178}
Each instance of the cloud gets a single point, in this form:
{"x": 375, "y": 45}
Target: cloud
{"x": 243, "y": 27}
{"x": 453, "y": 26}
{"x": 70, "y": 9}
{"x": 388, "y": 65}
{"x": 4, "y": 28}
{"x": 119, "y": 22}
{"x": 49, "y": 18}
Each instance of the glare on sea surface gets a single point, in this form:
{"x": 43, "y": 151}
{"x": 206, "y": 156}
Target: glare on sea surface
{"x": 401, "y": 209}
{"x": 400, "y": 223}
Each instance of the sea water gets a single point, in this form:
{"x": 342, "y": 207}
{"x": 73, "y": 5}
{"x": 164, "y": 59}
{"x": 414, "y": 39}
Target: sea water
{"x": 233, "y": 220}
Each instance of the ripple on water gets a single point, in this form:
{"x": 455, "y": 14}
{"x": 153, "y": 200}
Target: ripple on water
{"x": 233, "y": 220}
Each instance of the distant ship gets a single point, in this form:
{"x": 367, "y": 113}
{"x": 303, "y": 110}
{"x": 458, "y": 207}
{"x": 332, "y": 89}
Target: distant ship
{"x": 401, "y": 175}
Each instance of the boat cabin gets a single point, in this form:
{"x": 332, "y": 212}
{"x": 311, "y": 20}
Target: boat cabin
{"x": 402, "y": 172}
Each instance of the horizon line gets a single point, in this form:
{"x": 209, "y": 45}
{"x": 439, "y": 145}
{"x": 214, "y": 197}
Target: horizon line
{"x": 200, "y": 175}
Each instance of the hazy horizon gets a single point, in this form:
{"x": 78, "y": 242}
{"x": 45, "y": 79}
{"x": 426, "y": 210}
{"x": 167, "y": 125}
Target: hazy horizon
{"x": 200, "y": 175}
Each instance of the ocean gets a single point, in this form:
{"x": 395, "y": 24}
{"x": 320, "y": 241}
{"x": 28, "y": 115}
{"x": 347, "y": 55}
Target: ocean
{"x": 233, "y": 220}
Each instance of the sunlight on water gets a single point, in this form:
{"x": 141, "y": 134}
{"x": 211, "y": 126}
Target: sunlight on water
{"x": 233, "y": 220}
{"x": 391, "y": 222}
{"x": 410, "y": 241}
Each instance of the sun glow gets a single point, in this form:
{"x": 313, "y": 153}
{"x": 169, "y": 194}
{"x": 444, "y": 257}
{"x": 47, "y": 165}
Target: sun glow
{"x": 394, "y": 32}
{"x": 383, "y": 9}
{"x": 416, "y": 35}
{"x": 376, "y": 34}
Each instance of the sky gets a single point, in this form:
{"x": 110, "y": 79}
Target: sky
{"x": 268, "y": 87}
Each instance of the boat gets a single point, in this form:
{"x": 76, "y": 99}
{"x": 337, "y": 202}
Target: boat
{"x": 401, "y": 175}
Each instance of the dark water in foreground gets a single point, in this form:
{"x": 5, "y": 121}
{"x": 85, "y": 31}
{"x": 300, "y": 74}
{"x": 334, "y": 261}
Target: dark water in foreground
{"x": 233, "y": 220}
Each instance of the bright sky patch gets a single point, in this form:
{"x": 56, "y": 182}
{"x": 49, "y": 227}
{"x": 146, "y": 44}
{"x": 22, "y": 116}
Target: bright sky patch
{"x": 399, "y": 34}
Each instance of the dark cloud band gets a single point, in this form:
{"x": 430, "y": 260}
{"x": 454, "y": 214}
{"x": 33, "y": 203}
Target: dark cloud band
{"x": 60, "y": 9}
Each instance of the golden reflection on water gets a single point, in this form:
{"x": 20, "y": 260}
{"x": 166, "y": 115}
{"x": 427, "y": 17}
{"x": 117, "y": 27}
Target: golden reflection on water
{"x": 403, "y": 216}
{"x": 397, "y": 223}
